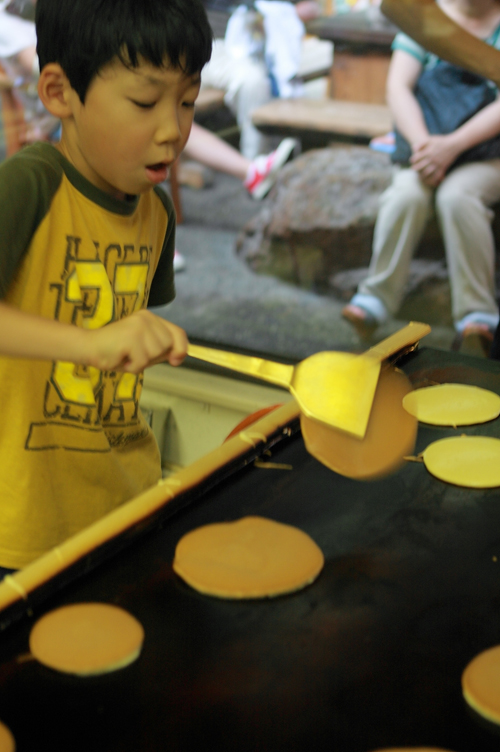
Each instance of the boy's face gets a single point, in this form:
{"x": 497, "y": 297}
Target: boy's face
{"x": 133, "y": 125}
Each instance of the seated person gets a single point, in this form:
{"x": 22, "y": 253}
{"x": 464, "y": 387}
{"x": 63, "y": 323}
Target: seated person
{"x": 240, "y": 62}
{"x": 451, "y": 168}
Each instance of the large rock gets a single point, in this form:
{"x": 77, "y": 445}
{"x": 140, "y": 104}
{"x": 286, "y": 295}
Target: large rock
{"x": 319, "y": 218}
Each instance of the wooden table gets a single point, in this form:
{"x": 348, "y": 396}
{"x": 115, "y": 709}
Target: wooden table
{"x": 355, "y": 121}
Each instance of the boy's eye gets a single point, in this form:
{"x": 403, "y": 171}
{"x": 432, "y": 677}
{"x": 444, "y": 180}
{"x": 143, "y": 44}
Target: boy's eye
{"x": 143, "y": 105}
{"x": 189, "y": 105}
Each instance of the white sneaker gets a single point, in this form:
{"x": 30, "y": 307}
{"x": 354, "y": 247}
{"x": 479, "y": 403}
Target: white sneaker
{"x": 179, "y": 261}
{"x": 263, "y": 170}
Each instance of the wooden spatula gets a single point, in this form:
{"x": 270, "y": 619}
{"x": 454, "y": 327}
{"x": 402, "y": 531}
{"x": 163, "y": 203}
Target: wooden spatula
{"x": 425, "y": 22}
{"x": 335, "y": 388}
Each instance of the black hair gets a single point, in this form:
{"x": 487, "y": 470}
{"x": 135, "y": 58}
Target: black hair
{"x": 84, "y": 35}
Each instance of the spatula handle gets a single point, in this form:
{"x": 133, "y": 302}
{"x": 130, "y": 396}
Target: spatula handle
{"x": 408, "y": 335}
{"x": 267, "y": 370}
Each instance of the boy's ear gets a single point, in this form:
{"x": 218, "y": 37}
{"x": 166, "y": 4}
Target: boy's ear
{"x": 54, "y": 90}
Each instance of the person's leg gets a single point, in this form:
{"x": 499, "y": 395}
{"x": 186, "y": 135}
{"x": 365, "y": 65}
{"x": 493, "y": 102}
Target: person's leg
{"x": 257, "y": 175}
{"x": 463, "y": 202}
{"x": 250, "y": 88}
{"x": 207, "y": 148}
{"x": 404, "y": 210}
{"x": 247, "y": 86}
{"x": 217, "y": 72}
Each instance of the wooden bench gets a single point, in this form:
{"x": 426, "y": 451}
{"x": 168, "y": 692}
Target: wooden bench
{"x": 210, "y": 99}
{"x": 334, "y": 118}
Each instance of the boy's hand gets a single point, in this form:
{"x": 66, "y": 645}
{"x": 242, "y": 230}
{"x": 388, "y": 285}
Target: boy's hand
{"x": 134, "y": 343}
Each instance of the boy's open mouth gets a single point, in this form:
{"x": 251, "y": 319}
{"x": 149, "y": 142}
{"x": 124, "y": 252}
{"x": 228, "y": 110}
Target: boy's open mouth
{"x": 157, "y": 173}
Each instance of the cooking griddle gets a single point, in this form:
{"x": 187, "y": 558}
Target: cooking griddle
{"x": 369, "y": 656}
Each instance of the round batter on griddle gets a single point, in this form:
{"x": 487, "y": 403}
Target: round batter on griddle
{"x": 87, "y": 639}
{"x": 7, "y": 742}
{"x": 251, "y": 558}
{"x": 481, "y": 684}
{"x": 469, "y": 461}
{"x": 452, "y": 405}
{"x": 390, "y": 435}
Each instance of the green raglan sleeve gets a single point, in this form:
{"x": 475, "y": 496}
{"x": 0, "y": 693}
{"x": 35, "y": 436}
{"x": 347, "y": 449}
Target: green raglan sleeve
{"x": 163, "y": 286}
{"x": 28, "y": 181}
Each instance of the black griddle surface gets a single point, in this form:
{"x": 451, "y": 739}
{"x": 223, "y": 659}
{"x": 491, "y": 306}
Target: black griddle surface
{"x": 368, "y": 656}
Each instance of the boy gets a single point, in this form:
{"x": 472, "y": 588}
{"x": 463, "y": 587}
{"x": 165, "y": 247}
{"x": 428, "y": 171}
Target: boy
{"x": 86, "y": 241}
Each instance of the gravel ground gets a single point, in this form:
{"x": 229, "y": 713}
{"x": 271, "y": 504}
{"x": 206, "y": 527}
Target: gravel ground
{"x": 219, "y": 299}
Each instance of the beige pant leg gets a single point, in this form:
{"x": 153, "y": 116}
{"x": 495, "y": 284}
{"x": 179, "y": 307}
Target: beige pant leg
{"x": 247, "y": 86}
{"x": 404, "y": 210}
{"x": 463, "y": 203}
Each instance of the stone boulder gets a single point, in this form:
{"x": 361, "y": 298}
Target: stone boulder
{"x": 318, "y": 220}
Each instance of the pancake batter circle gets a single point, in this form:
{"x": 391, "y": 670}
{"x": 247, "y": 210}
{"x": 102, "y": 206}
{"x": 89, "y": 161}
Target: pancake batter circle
{"x": 253, "y": 557}
{"x": 390, "y": 434}
{"x": 481, "y": 684}
{"x": 7, "y": 743}
{"x": 469, "y": 461}
{"x": 452, "y": 405}
{"x": 86, "y": 639}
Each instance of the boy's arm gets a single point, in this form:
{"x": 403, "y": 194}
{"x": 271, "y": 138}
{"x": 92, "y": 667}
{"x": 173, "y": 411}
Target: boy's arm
{"x": 131, "y": 344}
{"x": 425, "y": 22}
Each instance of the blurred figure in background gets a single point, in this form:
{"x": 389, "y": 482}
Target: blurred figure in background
{"x": 19, "y": 60}
{"x": 258, "y": 58}
{"x": 257, "y": 175}
{"x": 425, "y": 22}
{"x": 448, "y": 150}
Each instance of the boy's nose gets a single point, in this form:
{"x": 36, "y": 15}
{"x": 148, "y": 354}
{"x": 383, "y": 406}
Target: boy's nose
{"x": 168, "y": 129}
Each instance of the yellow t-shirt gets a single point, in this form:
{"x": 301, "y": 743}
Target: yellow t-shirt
{"x": 73, "y": 442}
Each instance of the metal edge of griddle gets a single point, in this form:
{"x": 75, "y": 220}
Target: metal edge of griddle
{"x": 90, "y": 561}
